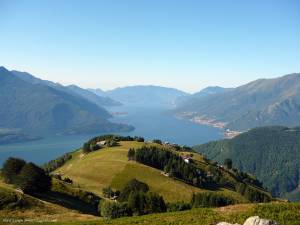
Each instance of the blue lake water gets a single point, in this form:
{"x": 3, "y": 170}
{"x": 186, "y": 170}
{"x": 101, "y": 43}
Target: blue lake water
{"x": 149, "y": 122}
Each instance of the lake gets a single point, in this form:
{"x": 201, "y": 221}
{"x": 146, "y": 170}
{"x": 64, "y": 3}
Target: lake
{"x": 148, "y": 122}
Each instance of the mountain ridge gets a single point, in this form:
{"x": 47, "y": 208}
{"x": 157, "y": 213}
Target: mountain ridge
{"x": 37, "y": 108}
{"x": 259, "y": 103}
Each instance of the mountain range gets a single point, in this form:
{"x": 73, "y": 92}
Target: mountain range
{"x": 144, "y": 95}
{"x": 259, "y": 103}
{"x": 70, "y": 89}
{"x": 41, "y": 107}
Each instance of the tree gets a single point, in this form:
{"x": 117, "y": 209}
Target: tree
{"x": 114, "y": 210}
{"x": 134, "y": 186}
{"x": 11, "y": 169}
{"x": 157, "y": 141}
{"x": 131, "y": 154}
{"x": 86, "y": 147}
{"x": 228, "y": 163}
{"x": 107, "y": 192}
{"x": 33, "y": 179}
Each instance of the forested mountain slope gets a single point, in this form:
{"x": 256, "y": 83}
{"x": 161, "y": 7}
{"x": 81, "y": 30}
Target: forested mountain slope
{"x": 260, "y": 103}
{"x": 40, "y": 109}
{"x": 270, "y": 153}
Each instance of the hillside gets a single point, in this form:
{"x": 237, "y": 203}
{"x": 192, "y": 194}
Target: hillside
{"x": 79, "y": 179}
{"x": 260, "y": 103}
{"x": 284, "y": 213}
{"x": 270, "y": 153}
{"x": 19, "y": 206}
{"x": 40, "y": 109}
{"x": 70, "y": 89}
{"x": 116, "y": 170}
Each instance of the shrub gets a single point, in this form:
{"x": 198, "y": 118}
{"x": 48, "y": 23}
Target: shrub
{"x": 32, "y": 179}
{"x": 107, "y": 192}
{"x": 178, "y": 206}
{"x": 114, "y": 210}
{"x": 11, "y": 169}
{"x": 131, "y": 154}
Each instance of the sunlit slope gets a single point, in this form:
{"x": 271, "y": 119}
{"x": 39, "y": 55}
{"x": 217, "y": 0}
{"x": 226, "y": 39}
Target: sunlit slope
{"x": 16, "y": 205}
{"x": 110, "y": 167}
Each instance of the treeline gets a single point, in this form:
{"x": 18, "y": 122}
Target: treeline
{"x": 110, "y": 141}
{"x": 56, "y": 163}
{"x": 210, "y": 199}
{"x": 176, "y": 147}
{"x": 252, "y": 194}
{"x": 28, "y": 177}
{"x": 134, "y": 199}
{"x": 171, "y": 163}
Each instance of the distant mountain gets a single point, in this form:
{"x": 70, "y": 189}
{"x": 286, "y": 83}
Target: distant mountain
{"x": 270, "y": 153}
{"x": 91, "y": 96}
{"x": 71, "y": 89}
{"x": 262, "y": 102}
{"x": 146, "y": 95}
{"x": 206, "y": 92}
{"x": 97, "y": 91}
{"x": 211, "y": 91}
{"x": 36, "y": 108}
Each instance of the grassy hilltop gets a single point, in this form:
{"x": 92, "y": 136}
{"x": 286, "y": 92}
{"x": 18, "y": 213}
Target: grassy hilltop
{"x": 111, "y": 167}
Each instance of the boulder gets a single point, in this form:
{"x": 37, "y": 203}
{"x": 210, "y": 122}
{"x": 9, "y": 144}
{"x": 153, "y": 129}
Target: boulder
{"x": 224, "y": 223}
{"x": 255, "y": 220}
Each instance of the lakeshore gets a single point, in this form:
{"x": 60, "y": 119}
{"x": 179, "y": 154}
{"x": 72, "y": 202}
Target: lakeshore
{"x": 203, "y": 120}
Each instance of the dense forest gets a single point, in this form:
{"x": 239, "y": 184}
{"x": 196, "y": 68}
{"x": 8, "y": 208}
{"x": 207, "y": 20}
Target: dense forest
{"x": 270, "y": 153}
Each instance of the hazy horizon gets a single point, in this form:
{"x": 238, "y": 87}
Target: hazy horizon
{"x": 187, "y": 45}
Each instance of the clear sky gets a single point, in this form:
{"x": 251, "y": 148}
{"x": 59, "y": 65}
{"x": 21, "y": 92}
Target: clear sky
{"x": 183, "y": 44}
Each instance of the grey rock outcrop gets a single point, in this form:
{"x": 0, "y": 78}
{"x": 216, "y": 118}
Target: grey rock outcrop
{"x": 224, "y": 223}
{"x": 254, "y": 220}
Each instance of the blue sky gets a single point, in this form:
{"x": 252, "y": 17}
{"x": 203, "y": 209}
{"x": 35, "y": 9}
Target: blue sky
{"x": 183, "y": 44}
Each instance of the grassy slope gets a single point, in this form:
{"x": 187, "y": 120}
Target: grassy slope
{"x": 20, "y": 206}
{"x": 110, "y": 166}
{"x": 284, "y": 213}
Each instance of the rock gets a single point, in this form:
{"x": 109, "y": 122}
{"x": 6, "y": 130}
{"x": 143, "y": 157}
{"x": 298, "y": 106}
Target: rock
{"x": 224, "y": 223}
{"x": 255, "y": 220}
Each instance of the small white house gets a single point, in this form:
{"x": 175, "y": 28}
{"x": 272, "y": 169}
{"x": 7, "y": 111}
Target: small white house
{"x": 101, "y": 143}
{"x": 186, "y": 159}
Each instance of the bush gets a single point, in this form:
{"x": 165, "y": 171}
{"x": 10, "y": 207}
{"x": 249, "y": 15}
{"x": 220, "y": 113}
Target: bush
{"x": 107, "y": 192}
{"x": 11, "y": 169}
{"x": 33, "y": 179}
{"x": 68, "y": 180}
{"x": 157, "y": 141}
{"x": 114, "y": 210}
{"x": 131, "y": 154}
{"x": 178, "y": 206}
